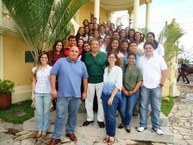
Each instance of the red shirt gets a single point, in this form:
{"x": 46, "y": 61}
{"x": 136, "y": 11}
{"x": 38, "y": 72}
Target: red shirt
{"x": 67, "y": 50}
{"x": 55, "y": 58}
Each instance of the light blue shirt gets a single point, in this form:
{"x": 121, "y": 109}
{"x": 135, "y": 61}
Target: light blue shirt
{"x": 70, "y": 75}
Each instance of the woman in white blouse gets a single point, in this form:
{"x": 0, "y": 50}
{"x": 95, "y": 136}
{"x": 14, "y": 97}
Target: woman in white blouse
{"x": 41, "y": 89}
{"x": 111, "y": 95}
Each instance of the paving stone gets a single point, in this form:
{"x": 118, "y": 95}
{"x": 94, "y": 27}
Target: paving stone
{"x": 22, "y": 132}
{"x": 17, "y": 143}
{"x": 26, "y": 136}
{"x": 28, "y": 142}
{"x": 7, "y": 142}
{"x": 4, "y": 137}
{"x": 3, "y": 129}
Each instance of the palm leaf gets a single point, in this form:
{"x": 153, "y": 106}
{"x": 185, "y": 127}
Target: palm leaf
{"x": 41, "y": 22}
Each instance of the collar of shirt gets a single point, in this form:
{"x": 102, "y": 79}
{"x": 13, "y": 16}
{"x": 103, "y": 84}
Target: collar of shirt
{"x": 71, "y": 61}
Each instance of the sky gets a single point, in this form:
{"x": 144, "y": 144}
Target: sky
{"x": 165, "y": 10}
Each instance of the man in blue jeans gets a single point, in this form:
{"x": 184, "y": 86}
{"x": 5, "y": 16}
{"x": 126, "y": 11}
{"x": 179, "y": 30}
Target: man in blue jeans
{"x": 153, "y": 69}
{"x": 70, "y": 72}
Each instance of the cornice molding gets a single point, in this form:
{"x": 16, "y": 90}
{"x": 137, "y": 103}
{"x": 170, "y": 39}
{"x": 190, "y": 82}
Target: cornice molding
{"x": 8, "y": 31}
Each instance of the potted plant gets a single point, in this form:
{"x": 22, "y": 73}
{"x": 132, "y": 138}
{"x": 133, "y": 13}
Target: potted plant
{"x": 6, "y": 88}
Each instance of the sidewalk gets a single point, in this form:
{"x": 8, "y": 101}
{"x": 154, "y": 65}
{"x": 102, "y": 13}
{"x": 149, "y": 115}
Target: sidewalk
{"x": 180, "y": 122}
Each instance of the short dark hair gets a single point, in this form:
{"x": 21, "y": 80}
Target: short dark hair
{"x": 149, "y": 43}
{"x": 71, "y": 36}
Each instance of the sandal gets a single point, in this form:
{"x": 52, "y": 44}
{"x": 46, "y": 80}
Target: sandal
{"x": 39, "y": 134}
{"x": 111, "y": 140}
{"x": 44, "y": 134}
{"x": 106, "y": 139}
{"x": 128, "y": 129}
{"x": 121, "y": 126}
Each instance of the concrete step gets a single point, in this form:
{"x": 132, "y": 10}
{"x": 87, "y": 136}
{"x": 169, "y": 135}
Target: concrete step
{"x": 94, "y": 131}
{"x": 135, "y": 119}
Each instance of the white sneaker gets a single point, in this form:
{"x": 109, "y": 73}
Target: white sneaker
{"x": 158, "y": 131}
{"x": 141, "y": 128}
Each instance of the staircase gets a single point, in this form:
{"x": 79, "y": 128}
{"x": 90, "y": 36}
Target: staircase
{"x": 94, "y": 131}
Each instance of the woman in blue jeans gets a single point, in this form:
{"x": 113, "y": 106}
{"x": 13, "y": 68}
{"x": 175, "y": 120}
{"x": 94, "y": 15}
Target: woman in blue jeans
{"x": 111, "y": 95}
{"x": 132, "y": 79}
{"x": 41, "y": 93}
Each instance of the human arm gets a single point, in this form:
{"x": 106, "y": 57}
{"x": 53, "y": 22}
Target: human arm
{"x": 163, "y": 78}
{"x": 137, "y": 86}
{"x": 125, "y": 92}
{"x": 85, "y": 85}
{"x": 118, "y": 85}
{"x": 33, "y": 87}
{"x": 110, "y": 101}
{"x": 54, "y": 92}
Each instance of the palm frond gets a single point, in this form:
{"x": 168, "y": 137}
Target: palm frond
{"x": 41, "y": 22}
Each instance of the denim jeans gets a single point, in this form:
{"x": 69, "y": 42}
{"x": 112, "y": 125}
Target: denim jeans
{"x": 152, "y": 96}
{"x": 110, "y": 113}
{"x": 42, "y": 104}
{"x": 63, "y": 105}
{"x": 127, "y": 107}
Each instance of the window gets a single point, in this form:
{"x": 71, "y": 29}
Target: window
{"x": 28, "y": 57}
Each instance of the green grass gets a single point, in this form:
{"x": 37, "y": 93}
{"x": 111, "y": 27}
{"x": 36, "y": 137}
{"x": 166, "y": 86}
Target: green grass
{"x": 166, "y": 107}
{"x": 18, "y": 113}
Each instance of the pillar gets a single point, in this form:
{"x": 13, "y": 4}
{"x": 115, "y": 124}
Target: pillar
{"x": 147, "y": 20}
{"x": 135, "y": 11}
{"x": 97, "y": 9}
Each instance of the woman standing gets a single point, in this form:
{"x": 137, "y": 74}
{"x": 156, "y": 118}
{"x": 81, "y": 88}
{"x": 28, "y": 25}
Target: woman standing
{"x": 41, "y": 93}
{"x": 54, "y": 54}
{"x": 132, "y": 79}
{"x": 111, "y": 95}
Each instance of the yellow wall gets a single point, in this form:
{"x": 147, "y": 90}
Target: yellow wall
{"x": 88, "y": 9}
{"x": 15, "y": 68}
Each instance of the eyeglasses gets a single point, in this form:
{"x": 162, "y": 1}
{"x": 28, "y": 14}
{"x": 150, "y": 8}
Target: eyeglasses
{"x": 112, "y": 57}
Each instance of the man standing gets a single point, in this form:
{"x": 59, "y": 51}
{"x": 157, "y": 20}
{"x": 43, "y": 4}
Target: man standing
{"x": 70, "y": 72}
{"x": 95, "y": 63}
{"x": 153, "y": 68}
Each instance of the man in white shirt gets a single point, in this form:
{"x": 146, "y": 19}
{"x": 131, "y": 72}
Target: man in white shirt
{"x": 153, "y": 68}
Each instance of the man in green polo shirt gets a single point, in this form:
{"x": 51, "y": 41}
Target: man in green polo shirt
{"x": 95, "y": 63}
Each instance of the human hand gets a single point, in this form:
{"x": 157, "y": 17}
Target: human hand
{"x": 54, "y": 94}
{"x": 33, "y": 98}
{"x": 84, "y": 95}
{"x": 110, "y": 101}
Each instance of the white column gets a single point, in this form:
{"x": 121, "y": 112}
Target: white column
{"x": 135, "y": 9}
{"x": 147, "y": 21}
{"x": 97, "y": 9}
{"x": 77, "y": 17}
{"x": 1, "y": 57}
{"x": 131, "y": 16}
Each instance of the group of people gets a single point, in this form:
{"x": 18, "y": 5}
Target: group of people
{"x": 116, "y": 65}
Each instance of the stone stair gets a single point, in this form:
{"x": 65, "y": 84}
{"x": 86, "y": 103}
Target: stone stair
{"x": 94, "y": 131}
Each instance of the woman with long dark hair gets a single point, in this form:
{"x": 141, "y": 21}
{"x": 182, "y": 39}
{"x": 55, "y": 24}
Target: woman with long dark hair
{"x": 54, "y": 54}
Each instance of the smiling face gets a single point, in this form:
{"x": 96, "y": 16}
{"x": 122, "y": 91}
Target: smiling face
{"x": 112, "y": 59}
{"x": 148, "y": 50}
{"x": 131, "y": 59}
{"x": 86, "y": 47}
{"x": 125, "y": 46}
{"x": 58, "y": 46}
{"x": 44, "y": 59}
{"x": 94, "y": 46}
{"x": 150, "y": 38}
{"x": 115, "y": 45}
